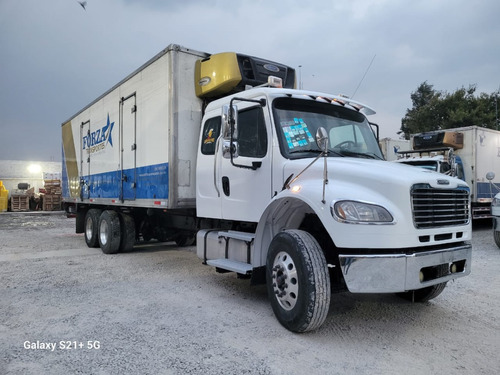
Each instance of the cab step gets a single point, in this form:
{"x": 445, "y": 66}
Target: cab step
{"x": 231, "y": 265}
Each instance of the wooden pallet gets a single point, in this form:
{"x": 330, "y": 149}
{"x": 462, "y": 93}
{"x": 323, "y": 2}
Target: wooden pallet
{"x": 52, "y": 187}
{"x": 19, "y": 203}
{"x": 51, "y": 202}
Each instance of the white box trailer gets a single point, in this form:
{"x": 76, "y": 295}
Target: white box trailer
{"x": 390, "y": 147}
{"x": 119, "y": 149}
{"x": 476, "y": 152}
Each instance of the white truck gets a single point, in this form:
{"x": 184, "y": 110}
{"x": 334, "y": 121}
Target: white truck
{"x": 470, "y": 153}
{"x": 391, "y": 147}
{"x": 495, "y": 213}
{"x": 283, "y": 186}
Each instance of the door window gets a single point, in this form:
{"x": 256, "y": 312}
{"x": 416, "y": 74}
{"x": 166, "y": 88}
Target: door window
{"x": 252, "y": 136}
{"x": 211, "y": 132}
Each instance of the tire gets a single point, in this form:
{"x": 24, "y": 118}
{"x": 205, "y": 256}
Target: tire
{"x": 496, "y": 236}
{"x": 109, "y": 232}
{"x": 428, "y": 293}
{"x": 127, "y": 224}
{"x": 298, "y": 281}
{"x": 91, "y": 228}
{"x": 185, "y": 240}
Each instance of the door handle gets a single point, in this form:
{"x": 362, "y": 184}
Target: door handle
{"x": 225, "y": 186}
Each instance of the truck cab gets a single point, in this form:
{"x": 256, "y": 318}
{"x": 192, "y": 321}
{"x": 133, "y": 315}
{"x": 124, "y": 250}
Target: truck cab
{"x": 292, "y": 185}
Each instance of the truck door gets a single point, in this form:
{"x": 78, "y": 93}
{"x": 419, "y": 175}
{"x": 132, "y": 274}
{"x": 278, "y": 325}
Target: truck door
{"x": 245, "y": 192}
{"x": 85, "y": 160}
{"x": 128, "y": 110}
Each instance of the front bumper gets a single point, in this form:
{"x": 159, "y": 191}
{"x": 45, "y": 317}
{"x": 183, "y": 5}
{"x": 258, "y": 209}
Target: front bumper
{"x": 393, "y": 273}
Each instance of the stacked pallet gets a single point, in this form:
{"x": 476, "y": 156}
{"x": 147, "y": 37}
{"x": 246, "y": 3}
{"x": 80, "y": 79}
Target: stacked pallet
{"x": 19, "y": 202}
{"x": 52, "y": 195}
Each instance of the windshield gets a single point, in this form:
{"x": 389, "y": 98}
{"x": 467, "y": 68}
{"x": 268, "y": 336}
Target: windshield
{"x": 297, "y": 121}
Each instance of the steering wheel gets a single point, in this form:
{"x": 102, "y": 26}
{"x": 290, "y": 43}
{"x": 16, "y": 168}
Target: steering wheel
{"x": 346, "y": 145}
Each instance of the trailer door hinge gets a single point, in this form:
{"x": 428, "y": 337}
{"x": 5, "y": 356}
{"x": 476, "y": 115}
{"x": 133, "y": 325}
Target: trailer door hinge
{"x": 133, "y": 109}
{"x": 133, "y": 147}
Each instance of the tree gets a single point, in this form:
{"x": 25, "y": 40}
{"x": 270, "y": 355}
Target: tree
{"x": 435, "y": 110}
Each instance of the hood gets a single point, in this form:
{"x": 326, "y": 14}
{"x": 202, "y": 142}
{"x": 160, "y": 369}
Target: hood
{"x": 369, "y": 173}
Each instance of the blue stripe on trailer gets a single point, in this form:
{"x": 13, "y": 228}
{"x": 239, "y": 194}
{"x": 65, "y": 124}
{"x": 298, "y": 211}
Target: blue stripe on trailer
{"x": 151, "y": 183}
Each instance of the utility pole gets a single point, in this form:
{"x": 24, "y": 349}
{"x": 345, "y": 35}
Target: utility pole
{"x": 496, "y": 106}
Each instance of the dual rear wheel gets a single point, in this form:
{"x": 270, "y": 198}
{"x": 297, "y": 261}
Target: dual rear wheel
{"x": 112, "y": 231}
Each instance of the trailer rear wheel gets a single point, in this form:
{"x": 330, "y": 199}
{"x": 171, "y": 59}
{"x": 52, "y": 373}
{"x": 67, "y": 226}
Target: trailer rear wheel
{"x": 109, "y": 232}
{"x": 298, "y": 282}
{"x": 496, "y": 236}
{"x": 127, "y": 225}
{"x": 92, "y": 227}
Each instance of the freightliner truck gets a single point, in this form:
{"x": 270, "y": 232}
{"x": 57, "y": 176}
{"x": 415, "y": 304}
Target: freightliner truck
{"x": 471, "y": 153}
{"x": 286, "y": 187}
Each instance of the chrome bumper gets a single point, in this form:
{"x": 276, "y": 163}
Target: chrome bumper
{"x": 392, "y": 273}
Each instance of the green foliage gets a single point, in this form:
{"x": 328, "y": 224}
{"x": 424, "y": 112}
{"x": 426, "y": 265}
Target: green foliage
{"x": 435, "y": 110}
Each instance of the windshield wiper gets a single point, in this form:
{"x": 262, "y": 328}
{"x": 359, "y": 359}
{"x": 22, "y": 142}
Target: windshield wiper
{"x": 316, "y": 151}
{"x": 368, "y": 155}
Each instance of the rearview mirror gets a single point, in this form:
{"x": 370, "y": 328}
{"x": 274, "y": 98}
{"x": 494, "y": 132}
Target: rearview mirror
{"x": 229, "y": 122}
{"x": 322, "y": 139}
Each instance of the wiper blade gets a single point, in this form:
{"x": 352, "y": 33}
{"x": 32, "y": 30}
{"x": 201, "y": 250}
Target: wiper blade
{"x": 315, "y": 150}
{"x": 368, "y": 155}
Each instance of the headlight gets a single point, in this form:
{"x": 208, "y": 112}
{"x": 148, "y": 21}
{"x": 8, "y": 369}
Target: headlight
{"x": 358, "y": 212}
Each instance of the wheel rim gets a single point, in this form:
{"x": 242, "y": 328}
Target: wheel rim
{"x": 89, "y": 228}
{"x": 285, "y": 281}
{"x": 103, "y": 232}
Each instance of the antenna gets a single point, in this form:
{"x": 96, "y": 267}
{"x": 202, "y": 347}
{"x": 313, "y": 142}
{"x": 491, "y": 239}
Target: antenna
{"x": 364, "y": 75}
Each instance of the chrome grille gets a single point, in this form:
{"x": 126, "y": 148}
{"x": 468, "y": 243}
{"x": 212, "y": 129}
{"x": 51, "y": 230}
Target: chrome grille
{"x": 433, "y": 208}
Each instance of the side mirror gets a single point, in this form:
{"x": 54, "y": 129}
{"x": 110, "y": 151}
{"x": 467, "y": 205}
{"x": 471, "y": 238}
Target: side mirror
{"x": 322, "y": 139}
{"x": 490, "y": 176}
{"x": 229, "y": 131}
{"x": 230, "y": 122}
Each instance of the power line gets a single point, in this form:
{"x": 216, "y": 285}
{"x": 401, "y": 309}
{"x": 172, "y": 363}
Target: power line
{"x": 364, "y": 75}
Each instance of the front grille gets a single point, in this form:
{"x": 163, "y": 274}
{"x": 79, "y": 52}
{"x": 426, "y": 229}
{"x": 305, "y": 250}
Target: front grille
{"x": 433, "y": 208}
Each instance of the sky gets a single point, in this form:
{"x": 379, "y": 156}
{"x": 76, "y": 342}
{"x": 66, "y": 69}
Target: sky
{"x": 56, "y": 57}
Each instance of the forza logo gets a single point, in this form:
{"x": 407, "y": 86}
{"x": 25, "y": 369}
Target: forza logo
{"x": 98, "y": 139}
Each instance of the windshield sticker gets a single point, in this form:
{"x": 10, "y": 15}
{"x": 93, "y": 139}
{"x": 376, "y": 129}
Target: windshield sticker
{"x": 296, "y": 133}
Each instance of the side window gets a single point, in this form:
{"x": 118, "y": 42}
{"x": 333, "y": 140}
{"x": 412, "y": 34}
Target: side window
{"x": 211, "y": 131}
{"x": 252, "y": 135}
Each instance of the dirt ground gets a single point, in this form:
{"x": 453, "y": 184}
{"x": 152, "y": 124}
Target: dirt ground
{"x": 68, "y": 309}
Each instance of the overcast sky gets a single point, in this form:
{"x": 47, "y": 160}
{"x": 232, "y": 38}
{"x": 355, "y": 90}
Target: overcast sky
{"x": 56, "y": 57}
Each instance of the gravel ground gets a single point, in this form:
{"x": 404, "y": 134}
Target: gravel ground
{"x": 158, "y": 310}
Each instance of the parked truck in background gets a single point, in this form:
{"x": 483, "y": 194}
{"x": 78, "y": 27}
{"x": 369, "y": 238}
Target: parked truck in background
{"x": 286, "y": 187}
{"x": 470, "y": 153}
{"x": 391, "y": 147}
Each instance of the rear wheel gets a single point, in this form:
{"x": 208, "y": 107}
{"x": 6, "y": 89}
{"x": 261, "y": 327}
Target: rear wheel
{"x": 127, "y": 225}
{"x": 185, "y": 240}
{"x": 298, "y": 282}
{"x": 109, "y": 232}
{"x": 91, "y": 228}
{"x": 496, "y": 236}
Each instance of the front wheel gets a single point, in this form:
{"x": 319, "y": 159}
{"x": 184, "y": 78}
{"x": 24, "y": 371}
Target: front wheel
{"x": 298, "y": 282}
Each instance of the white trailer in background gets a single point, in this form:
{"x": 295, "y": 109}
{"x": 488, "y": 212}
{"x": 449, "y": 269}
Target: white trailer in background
{"x": 470, "y": 153}
{"x": 287, "y": 187}
{"x": 390, "y": 147}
